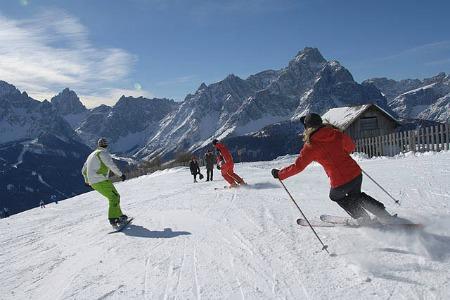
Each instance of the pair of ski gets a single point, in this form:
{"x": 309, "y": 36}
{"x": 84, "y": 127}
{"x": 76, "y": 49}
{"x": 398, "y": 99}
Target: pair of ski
{"x": 335, "y": 221}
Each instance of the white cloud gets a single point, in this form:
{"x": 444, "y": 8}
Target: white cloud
{"x": 421, "y": 50}
{"x": 51, "y": 51}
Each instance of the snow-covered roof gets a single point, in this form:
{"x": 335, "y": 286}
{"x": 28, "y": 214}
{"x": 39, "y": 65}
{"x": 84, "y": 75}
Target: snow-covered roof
{"x": 344, "y": 116}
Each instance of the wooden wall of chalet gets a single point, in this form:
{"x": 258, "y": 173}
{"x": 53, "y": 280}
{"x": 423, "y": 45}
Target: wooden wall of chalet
{"x": 385, "y": 125}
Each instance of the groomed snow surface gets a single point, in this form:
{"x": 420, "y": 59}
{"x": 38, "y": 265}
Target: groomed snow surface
{"x": 189, "y": 241}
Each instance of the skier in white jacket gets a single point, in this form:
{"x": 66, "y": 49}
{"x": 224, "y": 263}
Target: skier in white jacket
{"x": 95, "y": 172}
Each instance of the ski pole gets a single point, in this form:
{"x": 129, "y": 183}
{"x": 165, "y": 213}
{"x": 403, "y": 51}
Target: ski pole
{"x": 325, "y": 247}
{"x": 395, "y": 200}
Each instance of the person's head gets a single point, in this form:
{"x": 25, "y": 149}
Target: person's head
{"x": 311, "y": 120}
{"x": 102, "y": 143}
{"x": 214, "y": 142}
{"x": 194, "y": 157}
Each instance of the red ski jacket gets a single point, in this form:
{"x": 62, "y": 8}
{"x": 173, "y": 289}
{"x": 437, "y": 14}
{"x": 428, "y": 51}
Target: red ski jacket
{"x": 226, "y": 155}
{"x": 330, "y": 148}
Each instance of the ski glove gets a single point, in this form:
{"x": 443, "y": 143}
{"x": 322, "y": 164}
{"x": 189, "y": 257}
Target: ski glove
{"x": 275, "y": 173}
{"x": 87, "y": 184}
{"x": 123, "y": 177}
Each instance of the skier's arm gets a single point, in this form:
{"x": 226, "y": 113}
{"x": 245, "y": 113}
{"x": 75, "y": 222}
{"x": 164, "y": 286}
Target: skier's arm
{"x": 302, "y": 161}
{"x": 347, "y": 143}
{"x": 107, "y": 160}
{"x": 84, "y": 171}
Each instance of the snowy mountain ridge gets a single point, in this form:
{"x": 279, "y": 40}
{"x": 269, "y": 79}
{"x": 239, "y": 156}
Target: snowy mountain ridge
{"x": 427, "y": 99}
{"x": 22, "y": 117}
{"x": 127, "y": 125}
{"x": 235, "y": 106}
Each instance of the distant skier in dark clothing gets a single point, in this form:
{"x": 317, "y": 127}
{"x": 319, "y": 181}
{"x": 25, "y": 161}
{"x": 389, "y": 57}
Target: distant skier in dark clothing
{"x": 331, "y": 148}
{"x": 42, "y": 204}
{"x": 225, "y": 164}
{"x": 5, "y": 212}
{"x": 195, "y": 168}
{"x": 209, "y": 161}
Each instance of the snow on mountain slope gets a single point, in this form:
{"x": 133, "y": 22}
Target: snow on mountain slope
{"x": 22, "y": 117}
{"x": 127, "y": 125}
{"x": 427, "y": 99}
{"x": 190, "y": 241}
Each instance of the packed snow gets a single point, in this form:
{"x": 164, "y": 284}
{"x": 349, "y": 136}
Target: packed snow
{"x": 190, "y": 241}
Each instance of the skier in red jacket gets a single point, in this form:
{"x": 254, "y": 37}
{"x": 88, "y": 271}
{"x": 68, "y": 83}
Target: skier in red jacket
{"x": 331, "y": 148}
{"x": 226, "y": 165}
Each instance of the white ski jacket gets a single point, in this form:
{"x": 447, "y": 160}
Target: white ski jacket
{"x": 97, "y": 167}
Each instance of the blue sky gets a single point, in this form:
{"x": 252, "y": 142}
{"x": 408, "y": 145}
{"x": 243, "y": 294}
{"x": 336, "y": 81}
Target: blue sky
{"x": 167, "y": 48}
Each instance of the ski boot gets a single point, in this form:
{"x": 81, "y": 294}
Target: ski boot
{"x": 117, "y": 222}
{"x": 114, "y": 223}
{"x": 122, "y": 220}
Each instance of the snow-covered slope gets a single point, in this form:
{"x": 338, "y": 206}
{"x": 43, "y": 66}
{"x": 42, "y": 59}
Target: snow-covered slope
{"x": 427, "y": 99}
{"x": 35, "y": 169}
{"x": 189, "y": 241}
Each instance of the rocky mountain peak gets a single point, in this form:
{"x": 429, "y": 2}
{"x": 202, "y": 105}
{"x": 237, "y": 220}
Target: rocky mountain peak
{"x": 439, "y": 77}
{"x": 309, "y": 55}
{"x": 7, "y": 89}
{"x": 67, "y": 102}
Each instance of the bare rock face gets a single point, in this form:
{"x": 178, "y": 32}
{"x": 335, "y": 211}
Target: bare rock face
{"x": 67, "y": 102}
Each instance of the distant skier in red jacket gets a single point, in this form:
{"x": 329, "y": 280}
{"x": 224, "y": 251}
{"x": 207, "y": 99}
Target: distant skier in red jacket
{"x": 331, "y": 148}
{"x": 226, "y": 165}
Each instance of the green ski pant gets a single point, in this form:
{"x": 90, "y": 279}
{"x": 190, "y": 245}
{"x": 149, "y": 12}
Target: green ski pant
{"x": 107, "y": 189}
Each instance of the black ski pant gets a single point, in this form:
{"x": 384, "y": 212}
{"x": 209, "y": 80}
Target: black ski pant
{"x": 355, "y": 202}
{"x": 209, "y": 174}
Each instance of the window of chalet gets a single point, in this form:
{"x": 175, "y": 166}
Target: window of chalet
{"x": 369, "y": 126}
{"x": 370, "y": 123}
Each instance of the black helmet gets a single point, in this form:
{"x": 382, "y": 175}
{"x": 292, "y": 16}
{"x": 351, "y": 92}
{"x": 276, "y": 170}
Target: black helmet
{"x": 102, "y": 142}
{"x": 311, "y": 120}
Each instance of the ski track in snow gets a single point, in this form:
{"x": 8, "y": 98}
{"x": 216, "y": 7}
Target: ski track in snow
{"x": 189, "y": 241}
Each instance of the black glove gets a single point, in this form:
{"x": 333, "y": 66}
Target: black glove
{"x": 218, "y": 167}
{"x": 275, "y": 173}
{"x": 123, "y": 177}
{"x": 87, "y": 184}
{"x": 215, "y": 141}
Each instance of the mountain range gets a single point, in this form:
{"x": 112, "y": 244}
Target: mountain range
{"x": 427, "y": 99}
{"x": 45, "y": 143}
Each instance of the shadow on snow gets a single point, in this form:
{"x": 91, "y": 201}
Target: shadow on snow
{"x": 140, "y": 231}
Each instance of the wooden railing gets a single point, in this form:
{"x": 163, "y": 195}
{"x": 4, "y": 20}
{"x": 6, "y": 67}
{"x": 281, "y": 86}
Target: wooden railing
{"x": 435, "y": 138}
